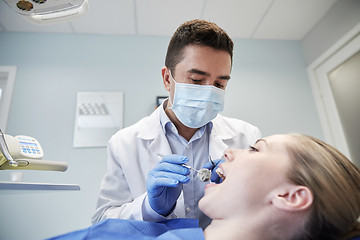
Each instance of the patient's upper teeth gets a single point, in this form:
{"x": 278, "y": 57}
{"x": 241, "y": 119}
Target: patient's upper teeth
{"x": 221, "y": 173}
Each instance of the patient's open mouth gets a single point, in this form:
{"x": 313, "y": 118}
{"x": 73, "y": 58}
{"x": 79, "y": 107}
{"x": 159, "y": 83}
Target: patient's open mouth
{"x": 221, "y": 173}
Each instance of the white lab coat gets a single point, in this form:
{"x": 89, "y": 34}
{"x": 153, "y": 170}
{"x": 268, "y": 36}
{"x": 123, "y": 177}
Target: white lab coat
{"x": 133, "y": 152}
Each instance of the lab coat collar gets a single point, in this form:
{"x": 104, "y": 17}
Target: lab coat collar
{"x": 151, "y": 126}
{"x": 219, "y": 134}
{"x": 151, "y": 130}
{"x": 221, "y": 129}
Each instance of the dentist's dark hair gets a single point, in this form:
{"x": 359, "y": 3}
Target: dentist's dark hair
{"x": 196, "y": 32}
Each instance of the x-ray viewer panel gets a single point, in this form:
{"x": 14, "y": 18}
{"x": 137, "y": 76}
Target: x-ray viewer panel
{"x": 98, "y": 116}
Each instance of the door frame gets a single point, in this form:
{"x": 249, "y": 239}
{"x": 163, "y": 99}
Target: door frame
{"x": 318, "y": 71}
{"x": 7, "y": 86}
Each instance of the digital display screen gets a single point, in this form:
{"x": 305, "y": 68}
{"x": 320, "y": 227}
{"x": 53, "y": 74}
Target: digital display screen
{"x": 28, "y": 144}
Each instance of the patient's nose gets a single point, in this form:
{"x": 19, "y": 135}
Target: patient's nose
{"x": 228, "y": 155}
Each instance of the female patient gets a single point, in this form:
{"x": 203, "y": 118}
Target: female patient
{"x": 284, "y": 187}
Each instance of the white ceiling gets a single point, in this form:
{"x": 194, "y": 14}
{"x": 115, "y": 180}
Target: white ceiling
{"x": 256, "y": 19}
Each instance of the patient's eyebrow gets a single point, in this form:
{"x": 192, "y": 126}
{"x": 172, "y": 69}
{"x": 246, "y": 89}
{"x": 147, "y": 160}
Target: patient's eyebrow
{"x": 261, "y": 139}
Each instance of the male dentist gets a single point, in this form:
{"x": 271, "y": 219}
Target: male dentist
{"x": 145, "y": 178}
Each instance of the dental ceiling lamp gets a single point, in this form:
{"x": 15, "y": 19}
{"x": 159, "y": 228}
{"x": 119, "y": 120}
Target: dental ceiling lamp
{"x": 49, "y": 11}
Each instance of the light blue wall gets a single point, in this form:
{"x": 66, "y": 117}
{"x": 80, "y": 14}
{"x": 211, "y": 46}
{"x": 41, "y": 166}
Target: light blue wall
{"x": 269, "y": 88}
{"x": 337, "y": 22}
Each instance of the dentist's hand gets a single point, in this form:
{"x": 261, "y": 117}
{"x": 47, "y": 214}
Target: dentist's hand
{"x": 214, "y": 176}
{"x": 164, "y": 183}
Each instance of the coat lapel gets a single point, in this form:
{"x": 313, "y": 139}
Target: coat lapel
{"x": 220, "y": 132}
{"x": 152, "y": 132}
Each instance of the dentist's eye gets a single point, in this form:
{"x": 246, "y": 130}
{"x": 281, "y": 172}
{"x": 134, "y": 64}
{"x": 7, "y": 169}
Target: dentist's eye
{"x": 253, "y": 149}
{"x": 218, "y": 85}
{"x": 196, "y": 81}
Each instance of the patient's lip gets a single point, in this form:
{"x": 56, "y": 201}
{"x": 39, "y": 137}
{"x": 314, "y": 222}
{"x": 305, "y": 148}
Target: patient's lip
{"x": 209, "y": 185}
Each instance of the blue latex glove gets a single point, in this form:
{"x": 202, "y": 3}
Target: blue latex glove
{"x": 164, "y": 183}
{"x": 214, "y": 176}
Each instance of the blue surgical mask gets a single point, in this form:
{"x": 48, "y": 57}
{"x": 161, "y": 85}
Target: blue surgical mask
{"x": 196, "y": 105}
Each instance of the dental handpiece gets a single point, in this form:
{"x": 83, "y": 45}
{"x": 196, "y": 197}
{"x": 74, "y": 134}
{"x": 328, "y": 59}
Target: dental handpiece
{"x": 203, "y": 174}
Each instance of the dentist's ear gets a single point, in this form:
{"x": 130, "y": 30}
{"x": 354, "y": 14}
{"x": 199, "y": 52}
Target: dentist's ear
{"x": 166, "y": 78}
{"x": 294, "y": 198}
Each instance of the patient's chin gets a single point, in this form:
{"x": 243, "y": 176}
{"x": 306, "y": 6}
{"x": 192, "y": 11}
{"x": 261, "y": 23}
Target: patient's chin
{"x": 200, "y": 204}
{"x": 204, "y": 207}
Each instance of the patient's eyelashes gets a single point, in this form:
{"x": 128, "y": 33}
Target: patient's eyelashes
{"x": 253, "y": 149}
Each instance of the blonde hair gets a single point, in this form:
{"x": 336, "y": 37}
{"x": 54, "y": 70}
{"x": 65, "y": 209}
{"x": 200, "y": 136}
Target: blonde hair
{"x": 335, "y": 183}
